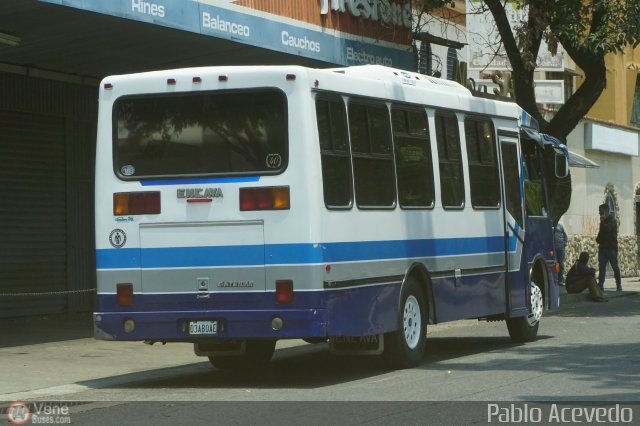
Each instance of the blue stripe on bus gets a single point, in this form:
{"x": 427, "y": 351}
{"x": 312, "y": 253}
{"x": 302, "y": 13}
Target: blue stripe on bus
{"x": 513, "y": 239}
{"x": 117, "y": 258}
{"x": 277, "y": 254}
{"x": 200, "y": 180}
{"x": 177, "y": 257}
{"x": 366, "y": 250}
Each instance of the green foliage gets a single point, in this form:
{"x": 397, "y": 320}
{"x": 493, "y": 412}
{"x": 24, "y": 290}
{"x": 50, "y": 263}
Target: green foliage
{"x": 597, "y": 26}
{"x": 588, "y": 30}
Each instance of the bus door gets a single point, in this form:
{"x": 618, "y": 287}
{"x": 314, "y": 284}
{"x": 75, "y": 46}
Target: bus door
{"x": 516, "y": 276}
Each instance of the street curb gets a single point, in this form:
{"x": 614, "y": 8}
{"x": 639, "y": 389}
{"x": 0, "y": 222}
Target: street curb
{"x": 575, "y": 298}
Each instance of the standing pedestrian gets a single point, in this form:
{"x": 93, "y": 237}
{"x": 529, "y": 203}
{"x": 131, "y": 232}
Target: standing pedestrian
{"x": 607, "y": 240}
{"x": 560, "y": 239}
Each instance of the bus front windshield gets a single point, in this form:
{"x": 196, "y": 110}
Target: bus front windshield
{"x": 200, "y": 134}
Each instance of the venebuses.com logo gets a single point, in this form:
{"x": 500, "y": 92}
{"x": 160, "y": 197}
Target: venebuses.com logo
{"x": 19, "y": 413}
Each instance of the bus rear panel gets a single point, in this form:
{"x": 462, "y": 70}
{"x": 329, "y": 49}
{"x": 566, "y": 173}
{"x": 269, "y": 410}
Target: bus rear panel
{"x": 193, "y": 187}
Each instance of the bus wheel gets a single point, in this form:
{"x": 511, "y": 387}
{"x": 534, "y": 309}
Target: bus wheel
{"x": 405, "y": 347}
{"x": 525, "y": 329}
{"x": 257, "y": 353}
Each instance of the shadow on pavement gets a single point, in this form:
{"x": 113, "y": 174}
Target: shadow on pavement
{"x": 304, "y": 367}
{"x": 43, "y": 329}
{"x": 615, "y": 366}
{"x": 612, "y": 308}
{"x": 309, "y": 367}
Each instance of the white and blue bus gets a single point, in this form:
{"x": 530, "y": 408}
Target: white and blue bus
{"x": 236, "y": 206}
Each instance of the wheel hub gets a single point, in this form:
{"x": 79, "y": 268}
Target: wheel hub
{"x": 412, "y": 322}
{"x": 537, "y": 305}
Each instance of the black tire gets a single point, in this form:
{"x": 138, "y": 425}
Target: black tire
{"x": 525, "y": 329}
{"x": 257, "y": 353}
{"x": 406, "y": 346}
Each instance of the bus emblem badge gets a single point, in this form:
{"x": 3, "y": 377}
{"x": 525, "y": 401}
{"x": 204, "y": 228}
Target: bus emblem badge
{"x": 117, "y": 238}
{"x": 274, "y": 161}
{"x": 202, "y": 285}
{"x": 128, "y": 170}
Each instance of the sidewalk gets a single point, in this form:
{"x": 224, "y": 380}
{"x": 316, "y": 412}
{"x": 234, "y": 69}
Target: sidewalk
{"x": 630, "y": 286}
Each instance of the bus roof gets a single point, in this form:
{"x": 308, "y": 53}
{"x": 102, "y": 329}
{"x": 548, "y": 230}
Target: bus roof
{"x": 375, "y": 81}
{"x": 380, "y": 72}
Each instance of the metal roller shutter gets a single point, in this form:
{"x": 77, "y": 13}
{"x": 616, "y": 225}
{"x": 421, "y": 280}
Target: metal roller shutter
{"x": 32, "y": 213}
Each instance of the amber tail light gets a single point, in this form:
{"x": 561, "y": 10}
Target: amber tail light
{"x": 265, "y": 198}
{"x": 131, "y": 203}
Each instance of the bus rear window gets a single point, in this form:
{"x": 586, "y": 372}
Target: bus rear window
{"x": 195, "y": 134}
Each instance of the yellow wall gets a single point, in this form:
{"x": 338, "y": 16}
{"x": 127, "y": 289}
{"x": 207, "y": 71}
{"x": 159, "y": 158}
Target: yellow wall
{"x": 614, "y": 104}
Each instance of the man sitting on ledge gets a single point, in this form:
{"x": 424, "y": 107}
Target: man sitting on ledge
{"x": 582, "y": 276}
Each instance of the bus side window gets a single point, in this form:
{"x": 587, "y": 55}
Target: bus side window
{"x": 370, "y": 135}
{"x": 449, "y": 160}
{"x": 334, "y": 150}
{"x": 414, "y": 167}
{"x": 483, "y": 163}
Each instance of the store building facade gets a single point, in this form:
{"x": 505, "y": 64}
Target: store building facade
{"x": 53, "y": 54}
{"x": 610, "y": 136}
{"x": 606, "y": 141}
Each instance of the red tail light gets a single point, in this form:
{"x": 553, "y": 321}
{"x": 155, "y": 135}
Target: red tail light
{"x": 265, "y": 198}
{"x": 284, "y": 291}
{"x": 124, "y": 294}
{"x": 126, "y": 203}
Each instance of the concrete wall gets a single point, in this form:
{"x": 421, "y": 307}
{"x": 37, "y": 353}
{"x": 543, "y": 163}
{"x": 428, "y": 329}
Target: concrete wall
{"x": 627, "y": 253}
{"x": 619, "y": 174}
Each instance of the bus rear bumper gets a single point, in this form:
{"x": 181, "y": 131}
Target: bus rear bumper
{"x": 175, "y": 326}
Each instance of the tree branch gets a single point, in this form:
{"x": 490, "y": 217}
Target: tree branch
{"x": 580, "y": 102}
{"x": 522, "y": 76}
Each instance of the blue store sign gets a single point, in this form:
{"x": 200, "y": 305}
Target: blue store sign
{"x": 227, "y": 21}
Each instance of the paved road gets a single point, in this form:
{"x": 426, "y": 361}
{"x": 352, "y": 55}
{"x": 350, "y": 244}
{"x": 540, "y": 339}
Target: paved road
{"x": 588, "y": 352}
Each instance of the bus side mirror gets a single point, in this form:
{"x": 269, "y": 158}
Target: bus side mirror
{"x": 561, "y": 165}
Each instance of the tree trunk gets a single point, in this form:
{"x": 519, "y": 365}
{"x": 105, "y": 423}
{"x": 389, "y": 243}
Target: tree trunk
{"x": 522, "y": 72}
{"x": 579, "y": 104}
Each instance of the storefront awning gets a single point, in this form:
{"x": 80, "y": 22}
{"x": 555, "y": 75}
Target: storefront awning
{"x": 577, "y": 160}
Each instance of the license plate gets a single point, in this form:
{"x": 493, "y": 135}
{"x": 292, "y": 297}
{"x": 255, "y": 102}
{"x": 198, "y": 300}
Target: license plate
{"x": 203, "y": 327}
